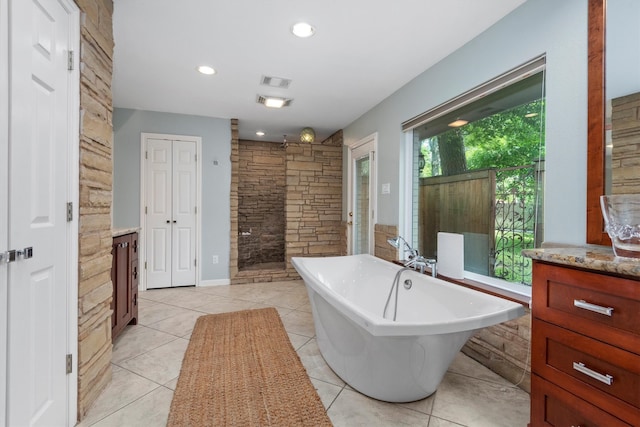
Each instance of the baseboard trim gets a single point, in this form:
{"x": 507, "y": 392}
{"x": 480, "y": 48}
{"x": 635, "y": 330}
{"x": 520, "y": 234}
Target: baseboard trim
{"x": 217, "y": 282}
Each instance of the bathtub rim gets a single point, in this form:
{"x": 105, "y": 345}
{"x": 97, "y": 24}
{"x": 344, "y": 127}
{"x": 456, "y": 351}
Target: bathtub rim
{"x": 378, "y": 326}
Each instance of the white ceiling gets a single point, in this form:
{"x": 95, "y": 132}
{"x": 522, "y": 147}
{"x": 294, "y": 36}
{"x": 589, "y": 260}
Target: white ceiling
{"x": 362, "y": 52}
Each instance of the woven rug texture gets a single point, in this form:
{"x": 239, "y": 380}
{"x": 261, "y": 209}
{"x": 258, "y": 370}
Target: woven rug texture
{"x": 240, "y": 369}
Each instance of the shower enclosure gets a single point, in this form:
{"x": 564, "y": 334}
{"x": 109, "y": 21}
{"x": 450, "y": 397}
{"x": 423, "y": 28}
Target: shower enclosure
{"x": 261, "y": 206}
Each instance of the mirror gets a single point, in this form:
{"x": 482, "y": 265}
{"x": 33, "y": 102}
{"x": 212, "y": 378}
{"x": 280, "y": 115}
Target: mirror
{"x": 614, "y": 71}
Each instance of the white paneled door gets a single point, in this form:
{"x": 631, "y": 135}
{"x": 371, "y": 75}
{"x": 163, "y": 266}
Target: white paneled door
{"x": 171, "y": 212}
{"x": 41, "y": 237}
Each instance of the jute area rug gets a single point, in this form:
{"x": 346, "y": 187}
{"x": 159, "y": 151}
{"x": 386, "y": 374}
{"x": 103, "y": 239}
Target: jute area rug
{"x": 241, "y": 370}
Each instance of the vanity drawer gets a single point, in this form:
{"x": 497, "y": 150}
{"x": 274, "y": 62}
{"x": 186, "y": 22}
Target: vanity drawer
{"x": 604, "y": 307}
{"x": 556, "y": 407}
{"x": 607, "y": 376}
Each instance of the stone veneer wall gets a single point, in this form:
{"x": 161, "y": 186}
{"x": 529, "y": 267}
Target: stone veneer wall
{"x": 261, "y": 199}
{"x": 503, "y": 348}
{"x": 313, "y": 206}
{"x": 96, "y": 142}
{"x": 314, "y": 199}
{"x": 625, "y": 154}
{"x": 382, "y": 248}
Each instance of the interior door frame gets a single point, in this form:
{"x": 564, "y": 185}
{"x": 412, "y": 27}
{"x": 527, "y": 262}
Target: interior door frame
{"x": 73, "y": 194}
{"x": 372, "y": 140}
{"x": 142, "y": 285}
{"x": 4, "y": 197}
{"x": 73, "y": 226}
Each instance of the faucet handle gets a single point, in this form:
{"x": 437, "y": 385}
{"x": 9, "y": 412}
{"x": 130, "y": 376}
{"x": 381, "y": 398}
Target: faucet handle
{"x": 433, "y": 264}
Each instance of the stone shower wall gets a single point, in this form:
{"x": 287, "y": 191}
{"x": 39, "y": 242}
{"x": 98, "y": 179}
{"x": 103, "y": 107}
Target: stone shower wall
{"x": 261, "y": 199}
{"x": 314, "y": 199}
{"x": 96, "y": 142}
{"x": 313, "y": 206}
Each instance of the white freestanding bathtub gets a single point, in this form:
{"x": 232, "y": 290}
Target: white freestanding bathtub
{"x": 394, "y": 361}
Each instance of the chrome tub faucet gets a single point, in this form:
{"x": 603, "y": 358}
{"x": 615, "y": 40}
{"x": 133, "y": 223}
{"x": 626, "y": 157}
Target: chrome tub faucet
{"x": 414, "y": 260}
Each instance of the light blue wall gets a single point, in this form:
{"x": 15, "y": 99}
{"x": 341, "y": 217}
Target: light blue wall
{"x": 216, "y": 179}
{"x": 557, "y": 28}
{"x": 623, "y": 52}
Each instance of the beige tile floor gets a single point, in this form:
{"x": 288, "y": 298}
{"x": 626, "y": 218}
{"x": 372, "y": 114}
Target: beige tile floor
{"x": 147, "y": 359}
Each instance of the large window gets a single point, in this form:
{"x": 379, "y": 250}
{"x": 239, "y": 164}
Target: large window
{"x": 478, "y": 169}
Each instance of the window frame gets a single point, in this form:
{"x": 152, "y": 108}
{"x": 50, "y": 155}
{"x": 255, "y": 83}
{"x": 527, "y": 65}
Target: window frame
{"x": 509, "y": 290}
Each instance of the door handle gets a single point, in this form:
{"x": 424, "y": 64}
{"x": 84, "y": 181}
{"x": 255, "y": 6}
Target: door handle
{"x": 169, "y": 221}
{"x": 14, "y": 255}
{"x": 25, "y": 253}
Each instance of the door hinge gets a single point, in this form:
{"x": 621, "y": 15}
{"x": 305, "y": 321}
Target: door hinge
{"x": 195, "y": 210}
{"x": 69, "y": 363}
{"x": 69, "y": 212}
{"x": 195, "y": 262}
{"x": 70, "y": 63}
{"x": 146, "y": 154}
{"x": 196, "y": 157}
{"x": 145, "y": 210}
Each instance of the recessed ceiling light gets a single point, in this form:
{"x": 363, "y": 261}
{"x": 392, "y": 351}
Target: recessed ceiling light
{"x": 303, "y": 30}
{"x": 205, "y": 69}
{"x": 260, "y": 133}
{"x": 458, "y": 123}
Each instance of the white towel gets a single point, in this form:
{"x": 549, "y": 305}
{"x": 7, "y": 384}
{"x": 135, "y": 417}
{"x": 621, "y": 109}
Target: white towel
{"x": 451, "y": 255}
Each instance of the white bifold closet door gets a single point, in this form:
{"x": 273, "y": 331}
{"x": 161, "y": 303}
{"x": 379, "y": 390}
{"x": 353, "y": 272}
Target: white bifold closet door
{"x": 171, "y": 213}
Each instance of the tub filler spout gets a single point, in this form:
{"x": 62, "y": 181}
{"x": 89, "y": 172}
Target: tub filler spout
{"x": 415, "y": 260}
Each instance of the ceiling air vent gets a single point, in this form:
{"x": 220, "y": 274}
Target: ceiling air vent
{"x": 278, "y": 82}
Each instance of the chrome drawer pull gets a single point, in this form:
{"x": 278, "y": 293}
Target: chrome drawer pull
{"x": 607, "y": 311}
{"x": 579, "y": 366}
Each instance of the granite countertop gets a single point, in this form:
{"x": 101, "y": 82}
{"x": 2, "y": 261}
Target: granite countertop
{"x": 591, "y": 257}
{"x": 115, "y": 232}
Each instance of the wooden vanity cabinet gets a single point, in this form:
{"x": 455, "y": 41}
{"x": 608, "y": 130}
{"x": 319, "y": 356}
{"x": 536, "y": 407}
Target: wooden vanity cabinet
{"x": 585, "y": 348}
{"x": 124, "y": 276}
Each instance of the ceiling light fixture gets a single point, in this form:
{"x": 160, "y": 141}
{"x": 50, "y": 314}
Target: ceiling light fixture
{"x": 457, "y": 123}
{"x": 303, "y": 30}
{"x": 307, "y": 135}
{"x": 207, "y": 70}
{"x": 273, "y": 101}
{"x": 260, "y": 133}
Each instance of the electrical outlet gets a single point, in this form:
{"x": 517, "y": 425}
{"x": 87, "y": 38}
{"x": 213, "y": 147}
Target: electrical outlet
{"x": 215, "y": 259}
